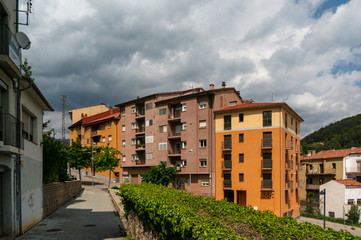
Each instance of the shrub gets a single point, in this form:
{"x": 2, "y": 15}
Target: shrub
{"x": 353, "y": 214}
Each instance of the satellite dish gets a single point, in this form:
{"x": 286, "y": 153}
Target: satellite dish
{"x": 23, "y": 40}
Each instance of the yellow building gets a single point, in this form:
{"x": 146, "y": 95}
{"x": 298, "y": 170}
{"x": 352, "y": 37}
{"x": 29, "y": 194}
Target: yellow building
{"x": 258, "y": 157}
{"x": 99, "y": 130}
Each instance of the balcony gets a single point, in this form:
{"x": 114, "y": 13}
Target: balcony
{"x": 10, "y": 55}
{"x": 174, "y": 153}
{"x": 8, "y": 131}
{"x": 175, "y": 115}
{"x": 140, "y": 130}
{"x": 317, "y": 171}
{"x": 94, "y": 133}
{"x": 312, "y": 186}
{"x": 266, "y": 143}
{"x": 266, "y": 185}
{"x": 227, "y": 146}
{"x": 227, "y": 184}
{"x": 140, "y": 147}
{"x": 289, "y": 165}
{"x": 267, "y": 164}
{"x": 78, "y": 131}
{"x": 140, "y": 113}
{"x": 298, "y": 184}
{"x": 353, "y": 172}
{"x": 289, "y": 145}
{"x": 226, "y": 165}
{"x": 175, "y": 135}
{"x": 140, "y": 162}
{"x": 298, "y": 148}
{"x": 298, "y": 166}
{"x": 289, "y": 185}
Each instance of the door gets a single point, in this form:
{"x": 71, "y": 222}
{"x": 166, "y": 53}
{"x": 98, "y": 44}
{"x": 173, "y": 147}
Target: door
{"x": 242, "y": 198}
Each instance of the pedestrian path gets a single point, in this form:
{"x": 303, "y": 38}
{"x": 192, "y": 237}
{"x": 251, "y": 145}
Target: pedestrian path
{"x": 91, "y": 215}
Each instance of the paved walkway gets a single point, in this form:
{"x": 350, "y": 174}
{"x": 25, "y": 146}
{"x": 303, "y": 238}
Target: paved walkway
{"x": 335, "y": 226}
{"x": 91, "y": 215}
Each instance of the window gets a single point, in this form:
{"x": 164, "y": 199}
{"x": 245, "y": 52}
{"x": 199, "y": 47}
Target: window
{"x": 205, "y": 182}
{"x": 241, "y": 157}
{"x": 125, "y": 178}
{"x": 240, "y": 117}
{"x": 87, "y": 129}
{"x": 358, "y": 201}
{"x": 123, "y": 128}
{"x": 241, "y": 137}
{"x": 88, "y": 141}
{"x": 350, "y": 201}
{"x": 241, "y": 177}
{"x": 110, "y": 138}
{"x": 134, "y": 141}
{"x": 202, "y": 123}
{"x": 148, "y": 106}
{"x": 135, "y": 157}
{"x": 267, "y": 118}
{"x": 162, "y": 111}
{"x": 233, "y": 103}
{"x": 227, "y": 122}
{"x": 123, "y": 158}
{"x": 202, "y": 105}
{"x": 203, "y": 143}
{"x": 163, "y": 129}
{"x": 149, "y": 156}
{"x": 123, "y": 143}
{"x": 82, "y": 136}
{"x": 267, "y": 155}
{"x": 184, "y": 126}
{"x": 286, "y": 120}
{"x": 134, "y": 125}
{"x": 110, "y": 125}
{"x": 203, "y": 162}
{"x": 162, "y": 146}
{"x": 334, "y": 165}
{"x": 29, "y": 129}
{"x": 103, "y": 139}
{"x": 123, "y": 112}
{"x": 134, "y": 110}
{"x": 184, "y": 145}
{"x": 149, "y": 139}
{"x": 184, "y": 163}
{"x": 102, "y": 127}
{"x": 149, "y": 123}
{"x": 184, "y": 107}
{"x": 331, "y": 214}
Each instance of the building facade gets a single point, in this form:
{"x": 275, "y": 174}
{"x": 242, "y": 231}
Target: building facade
{"x": 258, "y": 157}
{"x": 176, "y": 128}
{"x": 99, "y": 130}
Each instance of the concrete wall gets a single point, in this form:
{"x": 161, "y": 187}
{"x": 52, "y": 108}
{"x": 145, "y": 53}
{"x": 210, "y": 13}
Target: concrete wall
{"x": 335, "y": 199}
{"x": 350, "y": 163}
{"x": 59, "y": 193}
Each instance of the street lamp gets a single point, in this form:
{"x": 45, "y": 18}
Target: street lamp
{"x": 190, "y": 174}
{"x": 93, "y": 144}
{"x": 323, "y": 192}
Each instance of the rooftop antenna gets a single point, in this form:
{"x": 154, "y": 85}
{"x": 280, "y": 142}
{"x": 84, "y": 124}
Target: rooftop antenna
{"x": 29, "y": 6}
{"x": 272, "y": 93}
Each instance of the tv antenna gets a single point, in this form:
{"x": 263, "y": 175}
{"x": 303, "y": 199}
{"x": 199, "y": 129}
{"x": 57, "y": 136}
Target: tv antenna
{"x": 272, "y": 94}
{"x": 23, "y": 40}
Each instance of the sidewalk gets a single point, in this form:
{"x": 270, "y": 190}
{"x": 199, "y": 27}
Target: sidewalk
{"x": 90, "y": 215}
{"x": 335, "y": 226}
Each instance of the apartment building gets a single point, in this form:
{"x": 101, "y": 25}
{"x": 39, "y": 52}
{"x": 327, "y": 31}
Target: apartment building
{"x": 176, "y": 128}
{"x": 21, "y": 117}
{"x": 99, "y": 129}
{"x": 324, "y": 166}
{"x": 258, "y": 156}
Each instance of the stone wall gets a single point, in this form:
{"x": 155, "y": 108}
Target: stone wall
{"x": 57, "y": 194}
{"x": 137, "y": 230}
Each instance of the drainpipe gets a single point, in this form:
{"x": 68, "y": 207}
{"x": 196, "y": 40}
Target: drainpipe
{"x": 18, "y": 159}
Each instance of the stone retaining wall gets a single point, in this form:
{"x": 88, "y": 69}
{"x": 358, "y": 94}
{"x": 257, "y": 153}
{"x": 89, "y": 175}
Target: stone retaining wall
{"x": 57, "y": 194}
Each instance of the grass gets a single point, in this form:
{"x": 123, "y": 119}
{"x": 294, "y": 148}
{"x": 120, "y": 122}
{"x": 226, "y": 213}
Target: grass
{"x": 330, "y": 219}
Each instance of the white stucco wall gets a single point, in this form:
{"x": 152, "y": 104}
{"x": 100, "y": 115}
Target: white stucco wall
{"x": 335, "y": 199}
{"x": 350, "y": 163}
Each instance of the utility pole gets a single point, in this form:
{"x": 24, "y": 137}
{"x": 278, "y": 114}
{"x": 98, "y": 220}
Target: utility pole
{"x": 63, "y": 104}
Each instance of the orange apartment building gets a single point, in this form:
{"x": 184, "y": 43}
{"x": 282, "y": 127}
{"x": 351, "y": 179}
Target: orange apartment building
{"x": 99, "y": 129}
{"x": 177, "y": 128}
{"x": 258, "y": 156}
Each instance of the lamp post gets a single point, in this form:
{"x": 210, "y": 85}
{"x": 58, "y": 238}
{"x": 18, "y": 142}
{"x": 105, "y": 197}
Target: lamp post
{"x": 323, "y": 192}
{"x": 190, "y": 173}
{"x": 93, "y": 144}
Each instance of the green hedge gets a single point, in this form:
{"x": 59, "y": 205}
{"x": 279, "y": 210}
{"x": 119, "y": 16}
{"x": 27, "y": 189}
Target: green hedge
{"x": 179, "y": 215}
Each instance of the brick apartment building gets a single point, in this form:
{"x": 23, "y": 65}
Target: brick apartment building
{"x": 177, "y": 128}
{"x": 258, "y": 157}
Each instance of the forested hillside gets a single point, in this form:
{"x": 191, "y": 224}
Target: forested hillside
{"x": 342, "y": 134}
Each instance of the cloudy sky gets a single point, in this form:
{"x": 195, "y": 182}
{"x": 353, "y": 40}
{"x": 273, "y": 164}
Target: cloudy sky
{"x": 307, "y": 52}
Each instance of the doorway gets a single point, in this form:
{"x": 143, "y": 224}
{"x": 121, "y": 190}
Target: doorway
{"x": 242, "y": 198}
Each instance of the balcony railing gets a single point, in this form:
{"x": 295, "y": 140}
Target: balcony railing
{"x": 266, "y": 185}
{"x": 312, "y": 186}
{"x": 289, "y": 165}
{"x": 78, "y": 131}
{"x": 317, "y": 171}
{"x": 266, "y": 143}
{"x": 140, "y": 146}
{"x": 140, "y": 112}
{"x": 9, "y": 46}
{"x": 174, "y": 134}
{"x": 226, "y": 164}
{"x": 140, "y": 130}
{"x": 94, "y": 133}
{"x": 176, "y": 151}
{"x": 298, "y": 166}
{"x": 8, "y": 130}
{"x": 289, "y": 184}
{"x": 298, "y": 148}
{"x": 289, "y": 145}
{"x": 175, "y": 114}
{"x": 227, "y": 183}
{"x": 267, "y": 164}
{"x": 140, "y": 162}
{"x": 227, "y": 145}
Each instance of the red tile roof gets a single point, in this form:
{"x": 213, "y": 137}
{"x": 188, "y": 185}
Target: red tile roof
{"x": 101, "y": 116}
{"x": 348, "y": 182}
{"x": 332, "y": 154}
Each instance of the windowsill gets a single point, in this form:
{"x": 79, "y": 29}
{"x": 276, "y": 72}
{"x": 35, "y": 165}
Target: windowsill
{"x": 202, "y": 147}
{"x": 202, "y": 166}
{"x": 205, "y": 185}
{"x": 31, "y": 141}
{"x": 202, "y": 127}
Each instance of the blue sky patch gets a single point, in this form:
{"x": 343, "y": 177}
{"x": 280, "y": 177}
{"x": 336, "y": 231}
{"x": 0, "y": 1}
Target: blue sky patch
{"x": 328, "y": 5}
{"x": 346, "y": 67}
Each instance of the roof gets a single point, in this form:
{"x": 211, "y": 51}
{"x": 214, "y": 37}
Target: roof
{"x": 249, "y": 106}
{"x": 348, "y": 182}
{"x": 75, "y": 124}
{"x": 332, "y": 154}
{"x": 100, "y": 117}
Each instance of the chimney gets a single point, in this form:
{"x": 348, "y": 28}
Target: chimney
{"x": 223, "y": 84}
{"x": 111, "y": 110}
{"x": 313, "y": 152}
{"x": 211, "y": 86}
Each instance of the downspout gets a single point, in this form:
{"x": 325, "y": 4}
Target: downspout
{"x": 18, "y": 142}
{"x": 282, "y": 155}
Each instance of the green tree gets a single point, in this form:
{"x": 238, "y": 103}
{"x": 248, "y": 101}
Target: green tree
{"x": 78, "y": 156}
{"x": 353, "y": 214}
{"x": 160, "y": 175}
{"x": 106, "y": 159}
{"x": 311, "y": 204}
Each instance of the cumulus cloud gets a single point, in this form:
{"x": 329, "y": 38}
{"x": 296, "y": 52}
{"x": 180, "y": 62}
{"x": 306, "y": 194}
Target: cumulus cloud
{"x": 112, "y": 51}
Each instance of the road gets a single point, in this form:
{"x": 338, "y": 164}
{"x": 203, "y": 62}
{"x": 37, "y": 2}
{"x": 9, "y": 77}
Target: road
{"x": 90, "y": 215}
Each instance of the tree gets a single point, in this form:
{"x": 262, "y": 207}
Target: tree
{"x": 78, "y": 156}
{"x": 106, "y": 158}
{"x": 160, "y": 175}
{"x": 311, "y": 204}
{"x": 353, "y": 214}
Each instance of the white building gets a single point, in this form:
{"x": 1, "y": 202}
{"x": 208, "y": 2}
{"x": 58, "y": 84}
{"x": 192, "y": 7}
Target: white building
{"x": 352, "y": 165}
{"x": 341, "y": 194}
{"x": 21, "y": 157}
